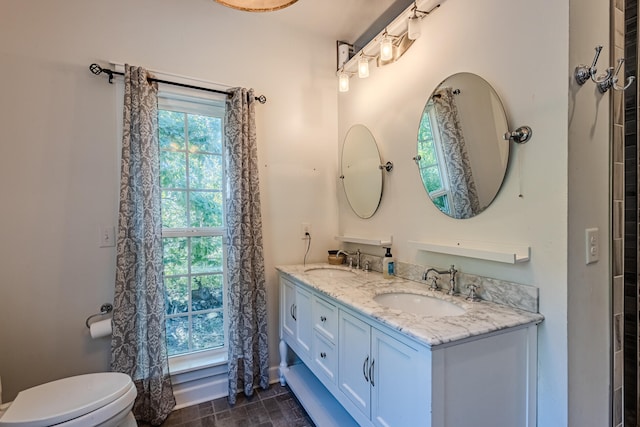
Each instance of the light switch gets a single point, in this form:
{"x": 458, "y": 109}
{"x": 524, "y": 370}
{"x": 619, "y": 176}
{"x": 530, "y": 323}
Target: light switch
{"x": 106, "y": 236}
{"x": 592, "y": 245}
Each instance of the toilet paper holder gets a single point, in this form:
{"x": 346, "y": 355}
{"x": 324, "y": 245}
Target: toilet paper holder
{"x": 104, "y": 309}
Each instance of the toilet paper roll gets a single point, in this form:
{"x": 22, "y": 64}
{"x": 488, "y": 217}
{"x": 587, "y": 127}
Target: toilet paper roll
{"x": 100, "y": 329}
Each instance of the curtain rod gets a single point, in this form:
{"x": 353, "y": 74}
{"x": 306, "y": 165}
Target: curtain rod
{"x": 97, "y": 70}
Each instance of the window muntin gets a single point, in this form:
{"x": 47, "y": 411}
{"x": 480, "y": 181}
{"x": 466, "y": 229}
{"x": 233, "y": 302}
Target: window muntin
{"x": 191, "y": 181}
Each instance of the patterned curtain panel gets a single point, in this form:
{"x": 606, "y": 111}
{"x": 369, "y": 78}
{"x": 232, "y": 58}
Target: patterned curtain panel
{"x": 465, "y": 202}
{"x": 138, "y": 346}
{"x": 248, "y": 352}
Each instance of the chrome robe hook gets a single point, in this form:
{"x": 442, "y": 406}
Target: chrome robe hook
{"x": 582, "y": 73}
{"x": 612, "y": 81}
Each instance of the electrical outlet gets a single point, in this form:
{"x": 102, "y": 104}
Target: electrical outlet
{"x": 304, "y": 229}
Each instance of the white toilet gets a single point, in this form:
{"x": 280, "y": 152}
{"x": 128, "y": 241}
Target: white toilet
{"x": 92, "y": 400}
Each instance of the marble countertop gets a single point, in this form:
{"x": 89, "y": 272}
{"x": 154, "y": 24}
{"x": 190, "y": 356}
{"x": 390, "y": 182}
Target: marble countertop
{"x": 357, "y": 292}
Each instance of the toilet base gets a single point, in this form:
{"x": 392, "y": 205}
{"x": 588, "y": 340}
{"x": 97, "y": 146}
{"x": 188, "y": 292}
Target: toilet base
{"x": 130, "y": 421}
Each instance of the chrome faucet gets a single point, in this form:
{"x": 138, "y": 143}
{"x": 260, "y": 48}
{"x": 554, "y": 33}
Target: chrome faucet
{"x": 434, "y": 280}
{"x": 452, "y": 279}
{"x": 356, "y": 254}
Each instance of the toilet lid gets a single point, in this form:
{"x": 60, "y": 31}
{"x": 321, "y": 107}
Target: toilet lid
{"x": 65, "y": 399}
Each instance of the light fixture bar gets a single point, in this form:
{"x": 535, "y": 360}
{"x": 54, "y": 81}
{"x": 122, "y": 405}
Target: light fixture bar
{"x": 397, "y": 27}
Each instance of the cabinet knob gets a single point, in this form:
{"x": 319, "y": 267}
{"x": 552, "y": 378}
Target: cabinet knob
{"x": 323, "y": 319}
{"x": 323, "y": 355}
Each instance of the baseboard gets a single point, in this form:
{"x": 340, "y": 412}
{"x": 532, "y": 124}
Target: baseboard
{"x": 205, "y": 385}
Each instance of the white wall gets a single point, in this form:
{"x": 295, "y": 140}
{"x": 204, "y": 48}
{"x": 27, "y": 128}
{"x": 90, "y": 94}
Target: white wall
{"x": 521, "y": 48}
{"x": 589, "y": 308}
{"x": 58, "y": 165}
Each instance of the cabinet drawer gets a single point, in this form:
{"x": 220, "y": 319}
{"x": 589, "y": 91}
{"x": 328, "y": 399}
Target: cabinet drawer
{"x": 325, "y": 318}
{"x": 325, "y": 358}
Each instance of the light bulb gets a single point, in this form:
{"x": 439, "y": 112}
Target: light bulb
{"x": 363, "y": 67}
{"x": 386, "y": 48}
{"x": 343, "y": 82}
{"x": 413, "y": 28}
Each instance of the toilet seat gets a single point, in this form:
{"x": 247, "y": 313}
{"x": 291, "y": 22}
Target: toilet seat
{"x": 82, "y": 400}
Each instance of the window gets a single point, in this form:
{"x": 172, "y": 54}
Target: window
{"x": 191, "y": 180}
{"x": 431, "y": 165}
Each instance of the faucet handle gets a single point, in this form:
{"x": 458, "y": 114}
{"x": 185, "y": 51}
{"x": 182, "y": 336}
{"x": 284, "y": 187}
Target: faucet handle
{"x": 434, "y": 283}
{"x": 473, "y": 296}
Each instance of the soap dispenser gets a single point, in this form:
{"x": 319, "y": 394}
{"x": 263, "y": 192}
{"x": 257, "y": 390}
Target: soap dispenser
{"x": 388, "y": 266}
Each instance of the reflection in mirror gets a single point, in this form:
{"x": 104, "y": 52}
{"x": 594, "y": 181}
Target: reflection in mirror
{"x": 360, "y": 171}
{"x": 462, "y": 156}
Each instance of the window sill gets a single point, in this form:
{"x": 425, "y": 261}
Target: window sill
{"x": 197, "y": 361}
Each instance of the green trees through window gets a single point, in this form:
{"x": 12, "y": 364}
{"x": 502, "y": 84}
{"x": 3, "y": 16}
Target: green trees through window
{"x": 191, "y": 180}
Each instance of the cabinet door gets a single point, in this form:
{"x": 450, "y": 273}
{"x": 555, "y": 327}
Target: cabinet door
{"x": 288, "y": 302}
{"x": 400, "y": 382}
{"x": 295, "y": 315}
{"x": 304, "y": 327}
{"x": 354, "y": 341}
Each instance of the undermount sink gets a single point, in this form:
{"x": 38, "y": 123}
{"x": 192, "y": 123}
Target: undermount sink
{"x": 329, "y": 272}
{"x": 418, "y": 304}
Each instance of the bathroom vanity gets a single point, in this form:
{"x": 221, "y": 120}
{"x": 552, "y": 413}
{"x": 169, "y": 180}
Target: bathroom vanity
{"x": 451, "y": 362}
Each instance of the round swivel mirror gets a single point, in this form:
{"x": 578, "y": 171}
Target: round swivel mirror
{"x": 360, "y": 171}
{"x": 461, "y": 154}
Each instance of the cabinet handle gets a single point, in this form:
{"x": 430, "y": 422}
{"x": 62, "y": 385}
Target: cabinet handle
{"x": 371, "y": 371}
{"x": 293, "y": 311}
{"x": 323, "y": 319}
{"x": 323, "y": 355}
{"x": 364, "y": 369}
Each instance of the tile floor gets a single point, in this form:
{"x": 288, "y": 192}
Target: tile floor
{"x": 275, "y": 407}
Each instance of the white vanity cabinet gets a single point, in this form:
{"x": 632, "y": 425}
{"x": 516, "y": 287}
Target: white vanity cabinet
{"x": 295, "y": 317}
{"x": 383, "y": 377}
{"x": 359, "y": 370}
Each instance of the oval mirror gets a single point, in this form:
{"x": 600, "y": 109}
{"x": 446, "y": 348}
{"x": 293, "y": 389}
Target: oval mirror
{"x": 461, "y": 154}
{"x": 360, "y": 171}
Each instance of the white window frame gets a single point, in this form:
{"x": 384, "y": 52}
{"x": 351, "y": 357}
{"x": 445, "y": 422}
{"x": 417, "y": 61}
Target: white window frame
{"x": 198, "y": 102}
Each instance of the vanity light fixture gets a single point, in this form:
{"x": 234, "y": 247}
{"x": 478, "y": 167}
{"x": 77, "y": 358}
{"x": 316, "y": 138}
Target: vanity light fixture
{"x": 413, "y": 27}
{"x": 345, "y": 51}
{"x": 413, "y": 24}
{"x": 363, "y": 66}
{"x": 343, "y": 81}
{"x": 385, "y": 48}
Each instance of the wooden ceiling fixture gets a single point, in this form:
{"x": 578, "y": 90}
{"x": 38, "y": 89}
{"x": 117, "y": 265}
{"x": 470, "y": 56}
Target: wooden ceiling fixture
{"x": 257, "y": 5}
